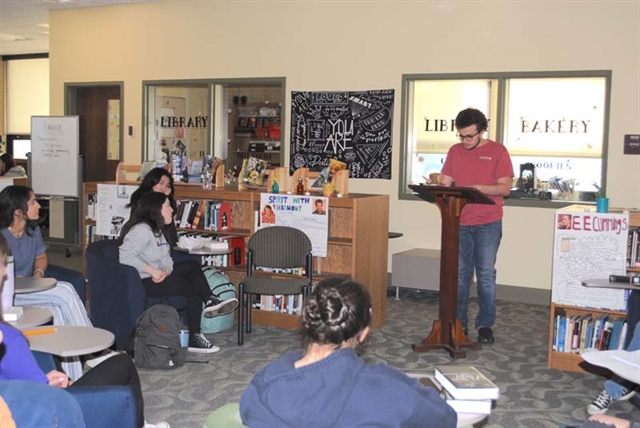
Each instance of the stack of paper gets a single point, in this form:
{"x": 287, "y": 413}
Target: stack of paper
{"x": 12, "y": 313}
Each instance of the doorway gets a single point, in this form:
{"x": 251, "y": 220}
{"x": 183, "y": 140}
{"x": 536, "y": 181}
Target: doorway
{"x": 100, "y": 108}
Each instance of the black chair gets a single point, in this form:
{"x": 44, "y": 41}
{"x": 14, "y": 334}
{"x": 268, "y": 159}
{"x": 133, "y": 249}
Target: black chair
{"x": 275, "y": 247}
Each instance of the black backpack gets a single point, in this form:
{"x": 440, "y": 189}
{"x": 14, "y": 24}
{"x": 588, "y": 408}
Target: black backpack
{"x": 157, "y": 339}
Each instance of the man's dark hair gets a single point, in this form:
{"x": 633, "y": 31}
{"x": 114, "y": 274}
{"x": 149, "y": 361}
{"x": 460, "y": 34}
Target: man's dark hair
{"x": 472, "y": 116}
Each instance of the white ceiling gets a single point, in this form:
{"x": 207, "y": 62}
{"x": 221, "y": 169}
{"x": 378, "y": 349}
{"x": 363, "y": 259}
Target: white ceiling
{"x": 24, "y": 24}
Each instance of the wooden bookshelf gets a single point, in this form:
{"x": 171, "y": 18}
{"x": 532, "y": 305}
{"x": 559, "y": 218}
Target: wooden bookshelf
{"x": 357, "y": 243}
{"x": 571, "y": 361}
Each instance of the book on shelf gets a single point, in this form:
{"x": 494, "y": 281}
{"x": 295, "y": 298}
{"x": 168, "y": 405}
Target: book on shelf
{"x": 254, "y": 172}
{"x": 466, "y": 383}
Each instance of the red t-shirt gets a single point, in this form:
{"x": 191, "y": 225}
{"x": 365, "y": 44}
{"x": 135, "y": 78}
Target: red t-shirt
{"x": 483, "y": 165}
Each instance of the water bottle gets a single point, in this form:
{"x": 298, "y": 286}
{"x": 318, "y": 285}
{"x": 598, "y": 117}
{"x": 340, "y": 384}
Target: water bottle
{"x": 207, "y": 178}
{"x": 8, "y": 290}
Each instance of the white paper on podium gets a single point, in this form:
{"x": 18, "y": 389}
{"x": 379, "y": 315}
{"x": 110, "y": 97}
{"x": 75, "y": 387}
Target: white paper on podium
{"x": 623, "y": 363}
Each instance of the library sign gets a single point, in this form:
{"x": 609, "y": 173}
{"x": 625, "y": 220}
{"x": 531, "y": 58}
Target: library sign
{"x": 183, "y": 122}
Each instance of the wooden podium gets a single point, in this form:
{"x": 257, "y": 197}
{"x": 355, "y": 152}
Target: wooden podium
{"x": 447, "y": 330}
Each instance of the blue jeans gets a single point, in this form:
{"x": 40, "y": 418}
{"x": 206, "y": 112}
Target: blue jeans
{"x": 478, "y": 250}
{"x": 71, "y": 276}
{"x": 613, "y": 388}
{"x": 38, "y": 405}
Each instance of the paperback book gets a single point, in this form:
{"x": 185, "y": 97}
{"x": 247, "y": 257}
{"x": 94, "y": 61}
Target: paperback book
{"x": 466, "y": 383}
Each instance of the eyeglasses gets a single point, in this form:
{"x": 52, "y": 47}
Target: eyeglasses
{"x": 466, "y": 137}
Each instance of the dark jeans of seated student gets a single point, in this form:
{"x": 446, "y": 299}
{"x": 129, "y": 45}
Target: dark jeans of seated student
{"x": 187, "y": 279}
{"x": 118, "y": 370}
{"x": 73, "y": 277}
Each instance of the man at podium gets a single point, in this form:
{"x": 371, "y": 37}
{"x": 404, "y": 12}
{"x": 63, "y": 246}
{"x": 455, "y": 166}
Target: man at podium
{"x": 485, "y": 165}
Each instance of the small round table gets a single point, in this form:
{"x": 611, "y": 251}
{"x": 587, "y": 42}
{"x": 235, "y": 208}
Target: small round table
{"x": 70, "y": 341}
{"x": 33, "y": 285}
{"x": 32, "y": 316}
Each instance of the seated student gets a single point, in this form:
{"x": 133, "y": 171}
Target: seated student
{"x": 18, "y": 363}
{"x": 158, "y": 180}
{"x": 18, "y": 221}
{"x": 8, "y": 167}
{"x": 329, "y": 385}
{"x": 144, "y": 246}
{"x": 18, "y": 224}
{"x": 618, "y": 389}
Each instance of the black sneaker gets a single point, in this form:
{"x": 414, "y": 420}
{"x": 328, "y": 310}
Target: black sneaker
{"x": 485, "y": 336}
{"x": 199, "y": 343}
{"x": 215, "y": 307}
{"x": 601, "y": 403}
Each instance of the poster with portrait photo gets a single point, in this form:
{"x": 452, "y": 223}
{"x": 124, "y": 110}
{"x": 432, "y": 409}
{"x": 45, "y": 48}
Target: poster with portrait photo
{"x": 309, "y": 214}
{"x": 111, "y": 208}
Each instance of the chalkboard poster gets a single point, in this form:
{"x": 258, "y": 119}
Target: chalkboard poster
{"x": 354, "y": 127}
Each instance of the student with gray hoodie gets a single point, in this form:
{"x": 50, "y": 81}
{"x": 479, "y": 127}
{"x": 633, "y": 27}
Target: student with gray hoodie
{"x": 144, "y": 246}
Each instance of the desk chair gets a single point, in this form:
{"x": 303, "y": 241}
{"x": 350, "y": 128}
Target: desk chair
{"x": 277, "y": 247}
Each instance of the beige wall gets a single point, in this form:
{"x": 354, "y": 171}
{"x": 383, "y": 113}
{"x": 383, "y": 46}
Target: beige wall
{"x": 360, "y": 45}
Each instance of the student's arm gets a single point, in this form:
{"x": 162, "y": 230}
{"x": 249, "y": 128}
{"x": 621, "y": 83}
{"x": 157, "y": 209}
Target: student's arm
{"x": 501, "y": 188}
{"x": 18, "y": 362}
{"x": 137, "y": 240}
{"x": 41, "y": 262}
{"x": 40, "y": 265}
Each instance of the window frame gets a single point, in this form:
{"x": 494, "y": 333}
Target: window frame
{"x": 404, "y": 193}
{"x": 216, "y": 112}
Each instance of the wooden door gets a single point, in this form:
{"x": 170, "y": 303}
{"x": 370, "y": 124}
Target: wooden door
{"x": 92, "y": 105}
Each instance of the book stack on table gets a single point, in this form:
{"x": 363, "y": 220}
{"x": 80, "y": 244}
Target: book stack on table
{"x": 465, "y": 389}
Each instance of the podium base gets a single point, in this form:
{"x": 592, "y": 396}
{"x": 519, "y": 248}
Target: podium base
{"x": 454, "y": 345}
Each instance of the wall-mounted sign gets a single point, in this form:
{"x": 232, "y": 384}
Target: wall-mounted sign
{"x": 353, "y": 127}
{"x": 632, "y": 144}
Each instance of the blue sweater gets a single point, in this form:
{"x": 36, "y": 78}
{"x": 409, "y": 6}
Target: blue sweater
{"x": 340, "y": 390}
{"x": 16, "y": 360}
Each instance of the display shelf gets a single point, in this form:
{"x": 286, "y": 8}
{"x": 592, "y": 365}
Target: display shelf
{"x": 572, "y": 361}
{"x": 357, "y": 242}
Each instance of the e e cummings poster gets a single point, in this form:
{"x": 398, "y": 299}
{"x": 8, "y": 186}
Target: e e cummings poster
{"x": 309, "y": 214}
{"x": 588, "y": 245}
{"x": 353, "y": 127}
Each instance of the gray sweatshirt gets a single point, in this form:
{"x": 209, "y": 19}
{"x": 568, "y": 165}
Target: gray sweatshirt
{"x": 141, "y": 248}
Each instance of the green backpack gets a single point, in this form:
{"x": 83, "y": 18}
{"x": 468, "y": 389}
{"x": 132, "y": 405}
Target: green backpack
{"x": 222, "y": 287}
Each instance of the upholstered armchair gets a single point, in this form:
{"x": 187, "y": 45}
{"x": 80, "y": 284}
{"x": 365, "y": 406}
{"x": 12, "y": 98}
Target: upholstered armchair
{"x": 116, "y": 294}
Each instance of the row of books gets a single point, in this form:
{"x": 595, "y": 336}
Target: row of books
{"x": 633, "y": 248}
{"x": 203, "y": 214}
{"x": 585, "y": 333}
{"x": 464, "y": 388}
{"x": 285, "y": 304}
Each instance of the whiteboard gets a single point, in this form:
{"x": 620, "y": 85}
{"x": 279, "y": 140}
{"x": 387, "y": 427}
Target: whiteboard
{"x": 55, "y": 152}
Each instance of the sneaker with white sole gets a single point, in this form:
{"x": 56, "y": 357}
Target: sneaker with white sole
{"x": 215, "y": 307}
{"x": 200, "y": 344}
{"x": 601, "y": 403}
